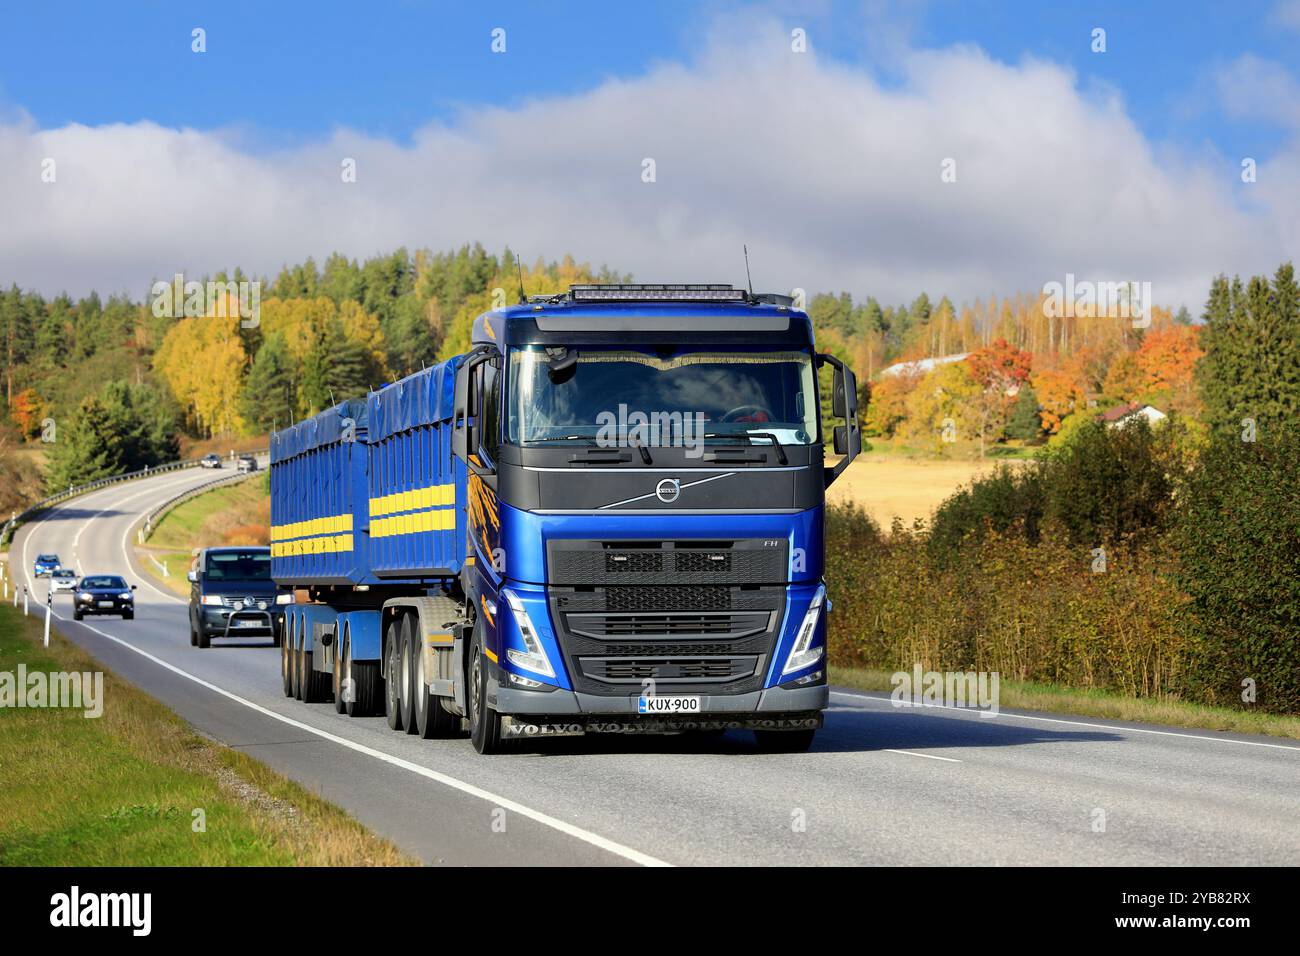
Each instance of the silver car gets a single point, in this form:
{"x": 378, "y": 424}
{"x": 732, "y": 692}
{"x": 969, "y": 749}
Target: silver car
{"x": 64, "y": 579}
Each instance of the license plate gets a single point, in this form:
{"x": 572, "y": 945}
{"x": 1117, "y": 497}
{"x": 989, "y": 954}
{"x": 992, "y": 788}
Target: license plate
{"x": 657, "y": 704}
{"x": 105, "y": 603}
{"x": 247, "y": 622}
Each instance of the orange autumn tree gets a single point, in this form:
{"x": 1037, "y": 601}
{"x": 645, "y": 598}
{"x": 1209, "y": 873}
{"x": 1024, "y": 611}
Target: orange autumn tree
{"x": 28, "y": 412}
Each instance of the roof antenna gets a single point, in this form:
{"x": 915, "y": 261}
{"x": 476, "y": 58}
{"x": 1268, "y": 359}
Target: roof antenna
{"x": 523, "y": 299}
{"x": 747, "y": 275}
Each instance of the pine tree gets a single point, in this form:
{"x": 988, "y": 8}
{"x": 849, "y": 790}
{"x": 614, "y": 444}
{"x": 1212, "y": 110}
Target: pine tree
{"x": 269, "y": 395}
{"x": 1025, "y": 424}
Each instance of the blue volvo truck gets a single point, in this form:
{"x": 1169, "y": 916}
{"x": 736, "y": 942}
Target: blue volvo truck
{"x": 606, "y": 517}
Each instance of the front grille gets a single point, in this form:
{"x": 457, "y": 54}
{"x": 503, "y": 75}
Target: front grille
{"x": 667, "y": 563}
{"x": 238, "y": 602}
{"x": 633, "y": 562}
{"x": 668, "y": 599}
{"x": 677, "y": 625}
{"x": 712, "y": 639}
{"x": 699, "y": 669}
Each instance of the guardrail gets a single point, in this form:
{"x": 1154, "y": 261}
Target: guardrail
{"x": 9, "y": 527}
{"x": 146, "y": 527}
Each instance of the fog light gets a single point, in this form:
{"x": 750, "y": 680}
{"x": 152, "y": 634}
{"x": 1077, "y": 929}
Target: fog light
{"x": 523, "y": 681}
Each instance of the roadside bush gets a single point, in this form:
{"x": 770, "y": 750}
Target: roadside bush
{"x": 1010, "y": 498}
{"x": 1107, "y": 485}
{"x": 1238, "y": 540}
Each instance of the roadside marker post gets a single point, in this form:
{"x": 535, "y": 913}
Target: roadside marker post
{"x": 26, "y": 596}
{"x": 49, "y": 609}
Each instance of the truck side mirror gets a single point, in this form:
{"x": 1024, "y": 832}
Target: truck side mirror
{"x": 464, "y": 406}
{"x": 846, "y": 439}
{"x": 193, "y": 577}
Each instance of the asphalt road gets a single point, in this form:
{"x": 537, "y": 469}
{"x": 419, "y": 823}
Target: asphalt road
{"x": 882, "y": 785}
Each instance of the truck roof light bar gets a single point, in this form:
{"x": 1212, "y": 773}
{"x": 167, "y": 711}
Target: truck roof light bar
{"x": 641, "y": 292}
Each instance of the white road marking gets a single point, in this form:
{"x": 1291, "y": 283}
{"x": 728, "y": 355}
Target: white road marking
{"x": 569, "y": 829}
{"x": 909, "y": 753}
{"x": 1058, "y": 720}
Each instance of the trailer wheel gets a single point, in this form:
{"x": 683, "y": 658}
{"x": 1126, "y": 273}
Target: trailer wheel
{"x": 365, "y": 684}
{"x": 315, "y": 685}
{"x": 484, "y": 722}
{"x": 406, "y": 672}
{"x": 286, "y": 659}
{"x": 432, "y": 721}
{"x": 342, "y": 686}
{"x": 296, "y": 664}
{"x": 784, "y": 741}
{"x": 392, "y": 685}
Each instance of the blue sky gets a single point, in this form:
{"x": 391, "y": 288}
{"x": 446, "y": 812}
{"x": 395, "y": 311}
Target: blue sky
{"x": 1112, "y": 166}
{"x": 292, "y": 71}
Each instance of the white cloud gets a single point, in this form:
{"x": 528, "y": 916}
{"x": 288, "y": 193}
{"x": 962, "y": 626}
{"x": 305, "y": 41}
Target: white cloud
{"x": 832, "y": 178}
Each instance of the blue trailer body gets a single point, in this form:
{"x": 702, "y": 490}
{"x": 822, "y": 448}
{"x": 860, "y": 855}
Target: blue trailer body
{"x": 467, "y": 569}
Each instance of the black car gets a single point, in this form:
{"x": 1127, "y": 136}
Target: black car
{"x": 103, "y": 594}
{"x": 232, "y": 595}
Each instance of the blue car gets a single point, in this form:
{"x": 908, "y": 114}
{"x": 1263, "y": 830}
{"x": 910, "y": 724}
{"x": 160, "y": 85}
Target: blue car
{"x": 46, "y": 564}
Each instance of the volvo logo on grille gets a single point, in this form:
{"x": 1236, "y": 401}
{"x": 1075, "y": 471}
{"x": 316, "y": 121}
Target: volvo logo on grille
{"x": 668, "y": 490}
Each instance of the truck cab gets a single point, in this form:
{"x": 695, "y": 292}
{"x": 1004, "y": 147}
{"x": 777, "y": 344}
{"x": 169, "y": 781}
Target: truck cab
{"x": 644, "y": 513}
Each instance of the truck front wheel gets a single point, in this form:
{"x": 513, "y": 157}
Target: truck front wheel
{"x": 484, "y": 722}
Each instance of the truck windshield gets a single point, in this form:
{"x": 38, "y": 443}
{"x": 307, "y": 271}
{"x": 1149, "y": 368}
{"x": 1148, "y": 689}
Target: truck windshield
{"x": 629, "y": 396}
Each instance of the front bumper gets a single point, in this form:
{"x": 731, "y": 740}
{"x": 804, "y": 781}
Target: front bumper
{"x": 221, "y": 622}
{"x": 92, "y": 607}
{"x": 556, "y": 712}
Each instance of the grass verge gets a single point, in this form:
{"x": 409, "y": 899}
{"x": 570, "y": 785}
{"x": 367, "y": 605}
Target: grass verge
{"x": 1103, "y": 704}
{"x": 122, "y": 789}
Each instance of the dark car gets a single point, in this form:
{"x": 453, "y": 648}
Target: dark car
{"x": 104, "y": 594}
{"x": 210, "y": 461}
{"x": 45, "y": 564}
{"x": 246, "y": 463}
{"x": 232, "y": 595}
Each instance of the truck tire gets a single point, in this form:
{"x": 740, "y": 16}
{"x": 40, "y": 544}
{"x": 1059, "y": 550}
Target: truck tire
{"x": 431, "y": 720}
{"x": 341, "y": 689}
{"x": 204, "y": 641}
{"x": 286, "y": 663}
{"x": 484, "y": 722}
{"x": 365, "y": 684}
{"x": 784, "y": 741}
{"x": 295, "y": 652}
{"x": 406, "y": 673}
{"x": 194, "y": 637}
{"x": 315, "y": 685}
{"x": 392, "y": 685}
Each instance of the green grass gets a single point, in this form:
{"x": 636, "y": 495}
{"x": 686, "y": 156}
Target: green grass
{"x": 120, "y": 790}
{"x": 181, "y": 529}
{"x": 1104, "y": 704}
{"x": 178, "y": 562}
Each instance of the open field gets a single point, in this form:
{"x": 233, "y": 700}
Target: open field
{"x": 123, "y": 789}
{"x": 889, "y": 486}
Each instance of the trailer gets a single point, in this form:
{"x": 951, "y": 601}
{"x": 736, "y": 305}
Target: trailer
{"x": 606, "y": 517}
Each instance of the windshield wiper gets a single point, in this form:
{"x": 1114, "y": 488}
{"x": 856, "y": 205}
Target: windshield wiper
{"x": 590, "y": 439}
{"x": 776, "y": 443}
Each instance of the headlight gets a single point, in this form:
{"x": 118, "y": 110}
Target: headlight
{"x": 212, "y": 599}
{"x": 125, "y": 595}
{"x": 801, "y": 655}
{"x": 85, "y": 596}
{"x": 534, "y": 658}
{"x": 286, "y": 598}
